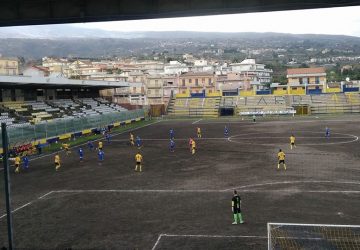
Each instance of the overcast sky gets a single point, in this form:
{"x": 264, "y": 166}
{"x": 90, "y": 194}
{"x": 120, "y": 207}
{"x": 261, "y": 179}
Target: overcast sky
{"x": 342, "y": 21}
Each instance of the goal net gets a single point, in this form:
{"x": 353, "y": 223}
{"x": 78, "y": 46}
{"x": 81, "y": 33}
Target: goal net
{"x": 312, "y": 236}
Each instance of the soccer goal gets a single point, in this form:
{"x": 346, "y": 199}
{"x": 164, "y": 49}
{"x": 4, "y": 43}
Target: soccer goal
{"x": 312, "y": 236}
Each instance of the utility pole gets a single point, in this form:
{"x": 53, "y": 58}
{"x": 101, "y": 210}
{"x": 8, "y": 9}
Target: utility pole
{"x": 5, "y": 145}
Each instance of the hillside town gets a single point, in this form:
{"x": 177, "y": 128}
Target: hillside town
{"x": 153, "y": 82}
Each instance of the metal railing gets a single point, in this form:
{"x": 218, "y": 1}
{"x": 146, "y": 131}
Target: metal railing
{"x": 28, "y": 132}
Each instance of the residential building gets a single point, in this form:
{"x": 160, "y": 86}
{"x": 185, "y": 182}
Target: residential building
{"x": 56, "y": 65}
{"x": 306, "y": 80}
{"x": 83, "y": 69}
{"x": 175, "y": 67}
{"x": 253, "y": 73}
{"x": 36, "y": 71}
{"x": 231, "y": 83}
{"x": 9, "y": 66}
{"x": 139, "y": 77}
{"x": 200, "y": 62}
{"x": 108, "y": 77}
{"x": 150, "y": 67}
{"x": 197, "y": 82}
{"x": 135, "y": 94}
{"x": 160, "y": 88}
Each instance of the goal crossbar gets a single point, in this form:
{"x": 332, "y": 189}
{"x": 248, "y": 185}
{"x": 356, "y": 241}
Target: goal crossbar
{"x": 298, "y": 236}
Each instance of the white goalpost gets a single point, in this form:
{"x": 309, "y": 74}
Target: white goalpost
{"x": 312, "y": 236}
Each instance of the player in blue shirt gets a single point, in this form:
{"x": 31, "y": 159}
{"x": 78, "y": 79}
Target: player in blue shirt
{"x": 172, "y": 134}
{"x": 25, "y": 160}
{"x": 90, "y": 145}
{"x": 327, "y": 132}
{"x": 172, "y": 145}
{"x": 101, "y": 156}
{"x": 226, "y": 131}
{"x": 138, "y": 141}
{"x": 81, "y": 154}
{"x": 107, "y": 137}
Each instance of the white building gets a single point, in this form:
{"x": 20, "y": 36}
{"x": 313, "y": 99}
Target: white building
{"x": 36, "y": 71}
{"x": 175, "y": 67}
{"x": 253, "y": 71}
{"x": 200, "y": 62}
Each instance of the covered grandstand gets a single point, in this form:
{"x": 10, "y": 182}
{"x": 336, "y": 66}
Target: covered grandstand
{"x": 37, "y": 110}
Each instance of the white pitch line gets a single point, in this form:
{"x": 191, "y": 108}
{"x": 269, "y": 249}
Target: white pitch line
{"x": 13, "y": 211}
{"x": 176, "y": 139}
{"x": 286, "y": 137}
{"x": 352, "y": 138}
{"x": 213, "y": 236}
{"x": 139, "y": 191}
{"x": 157, "y": 242}
{"x": 291, "y": 182}
{"x": 43, "y": 196}
{"x": 265, "y": 122}
{"x": 197, "y": 121}
{"x": 204, "y": 236}
{"x": 201, "y": 191}
{"x": 27, "y": 204}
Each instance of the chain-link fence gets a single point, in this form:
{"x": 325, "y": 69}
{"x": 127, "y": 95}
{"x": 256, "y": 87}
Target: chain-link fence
{"x": 28, "y": 133}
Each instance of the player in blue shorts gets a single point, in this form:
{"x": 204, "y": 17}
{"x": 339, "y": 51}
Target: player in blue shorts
{"x": 90, "y": 145}
{"x": 25, "y": 160}
{"x": 172, "y": 145}
{"x": 226, "y": 131}
{"x": 108, "y": 137}
{"x": 81, "y": 154}
{"x": 101, "y": 156}
{"x": 327, "y": 133}
{"x": 138, "y": 142}
{"x": 172, "y": 133}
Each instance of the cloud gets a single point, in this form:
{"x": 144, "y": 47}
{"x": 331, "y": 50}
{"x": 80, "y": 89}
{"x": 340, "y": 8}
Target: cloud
{"x": 341, "y": 21}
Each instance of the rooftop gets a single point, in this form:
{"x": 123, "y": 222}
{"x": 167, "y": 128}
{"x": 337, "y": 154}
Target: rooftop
{"x": 300, "y": 71}
{"x": 55, "y": 82}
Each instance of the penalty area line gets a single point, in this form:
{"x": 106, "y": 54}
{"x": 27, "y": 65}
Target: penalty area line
{"x": 13, "y": 211}
{"x": 27, "y": 204}
{"x": 204, "y": 236}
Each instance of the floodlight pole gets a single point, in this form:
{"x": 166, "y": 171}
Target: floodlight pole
{"x": 5, "y": 145}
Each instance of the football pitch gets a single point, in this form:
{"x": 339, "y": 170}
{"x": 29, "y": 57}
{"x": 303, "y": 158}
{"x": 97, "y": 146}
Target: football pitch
{"x": 183, "y": 201}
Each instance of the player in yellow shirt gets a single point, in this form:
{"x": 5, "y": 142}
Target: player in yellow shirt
{"x": 132, "y": 139}
{"x": 193, "y": 147}
{"x": 66, "y": 147}
{"x": 292, "y": 142}
{"x": 57, "y": 162}
{"x": 198, "y": 132}
{"x": 17, "y": 164}
{"x": 100, "y": 146}
{"x": 281, "y": 158}
{"x": 138, "y": 159}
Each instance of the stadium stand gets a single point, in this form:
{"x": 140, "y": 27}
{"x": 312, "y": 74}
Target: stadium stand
{"x": 329, "y": 103}
{"x": 195, "y": 107}
{"x": 250, "y": 104}
{"x": 246, "y": 105}
{"x": 23, "y": 113}
{"x": 4, "y": 118}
